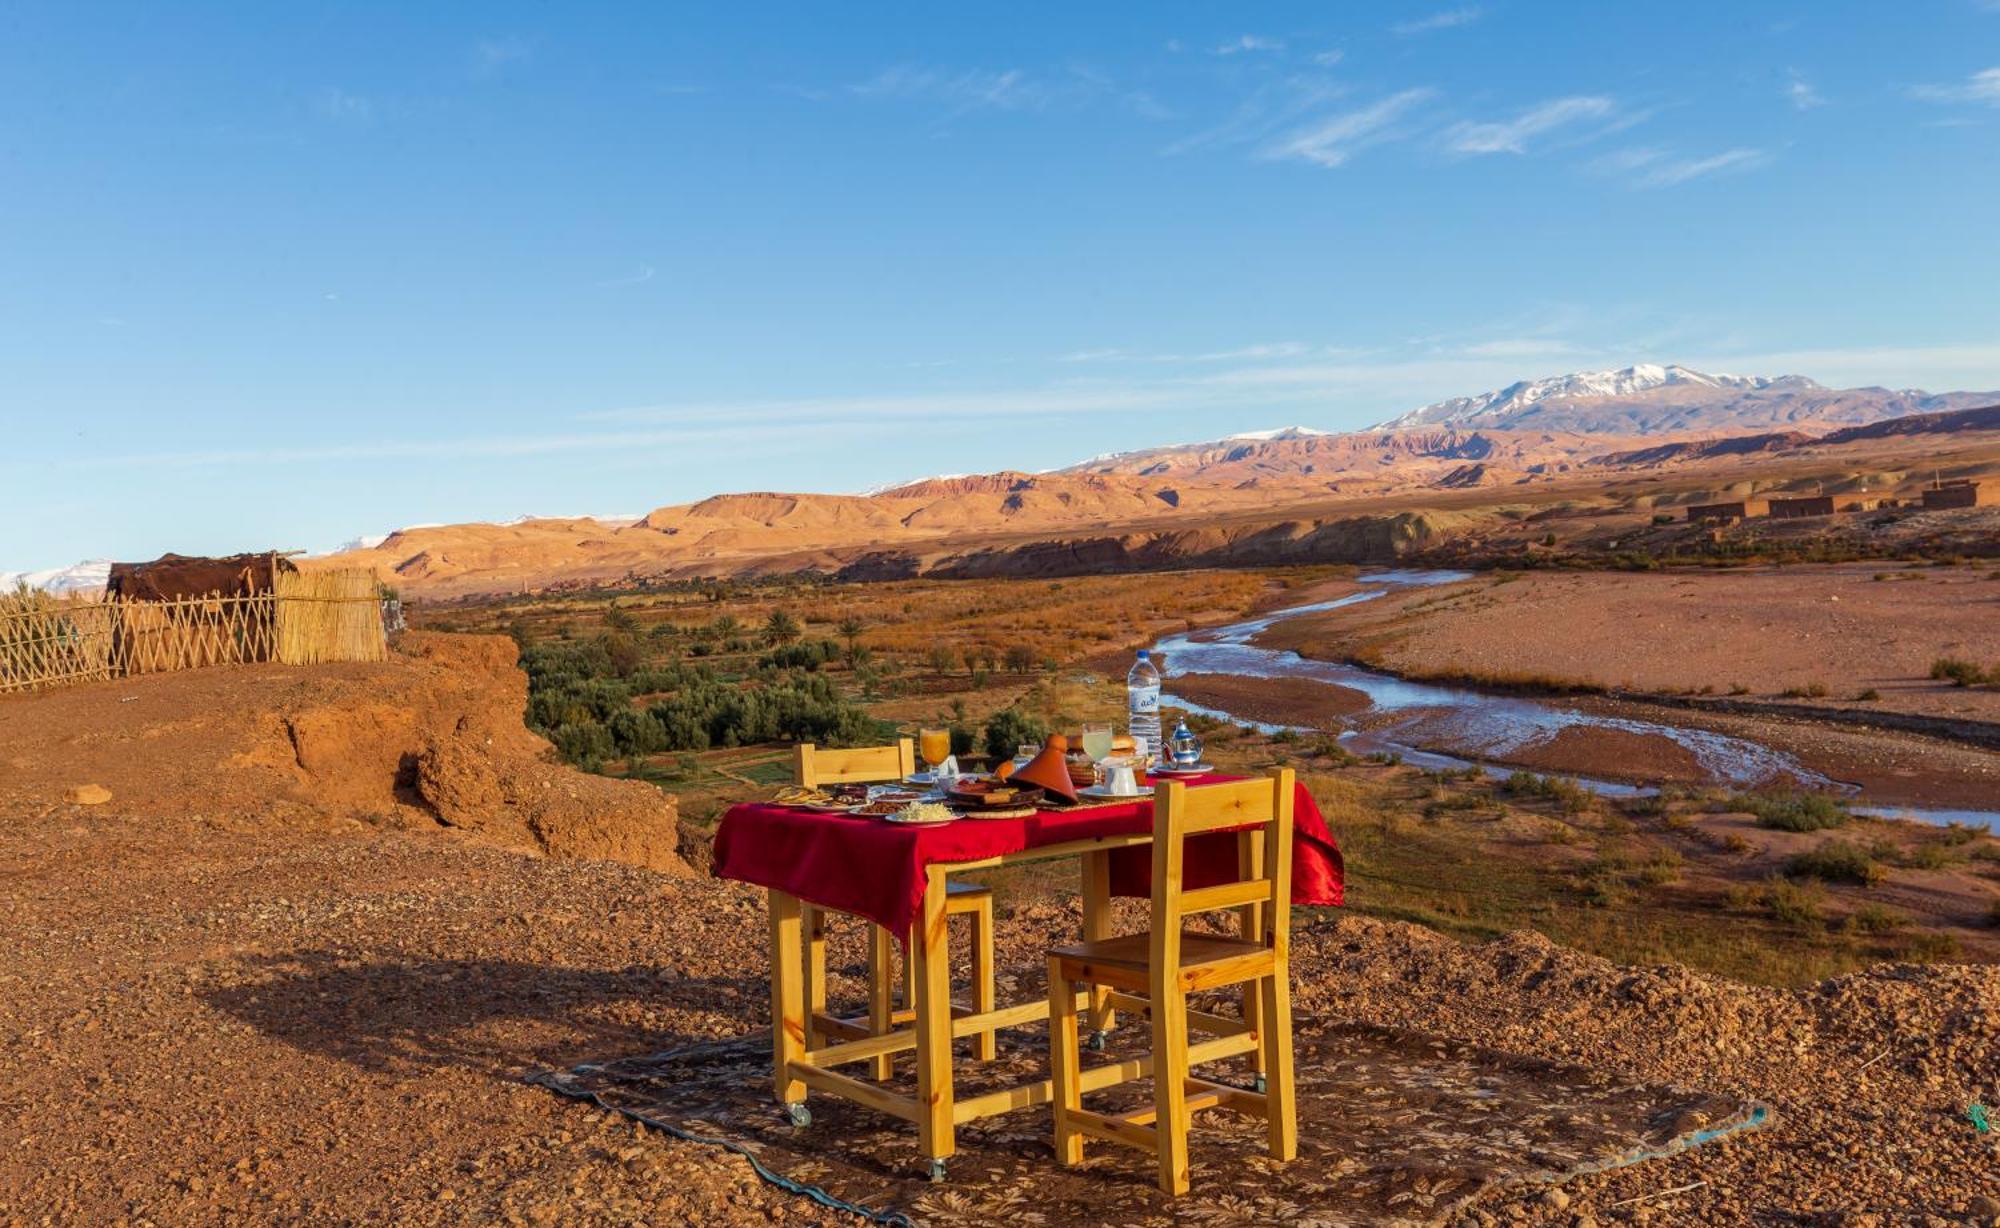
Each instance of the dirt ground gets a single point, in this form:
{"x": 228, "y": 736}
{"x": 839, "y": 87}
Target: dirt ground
{"x": 201, "y": 1025}
{"x": 1765, "y": 630}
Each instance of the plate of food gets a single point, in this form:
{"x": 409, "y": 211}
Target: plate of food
{"x": 915, "y": 814}
{"x": 1100, "y": 793}
{"x": 811, "y": 799}
{"x": 987, "y": 791}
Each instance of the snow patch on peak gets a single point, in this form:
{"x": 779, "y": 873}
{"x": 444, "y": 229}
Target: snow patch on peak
{"x": 89, "y": 574}
{"x": 1625, "y": 381}
{"x": 1277, "y": 433}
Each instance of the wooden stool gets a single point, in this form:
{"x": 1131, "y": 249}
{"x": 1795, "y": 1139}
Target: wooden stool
{"x": 813, "y": 767}
{"x": 1168, "y": 962}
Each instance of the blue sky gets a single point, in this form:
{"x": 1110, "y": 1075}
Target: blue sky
{"x": 277, "y": 275}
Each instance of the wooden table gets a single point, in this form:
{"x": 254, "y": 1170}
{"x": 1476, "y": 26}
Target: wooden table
{"x": 772, "y": 848}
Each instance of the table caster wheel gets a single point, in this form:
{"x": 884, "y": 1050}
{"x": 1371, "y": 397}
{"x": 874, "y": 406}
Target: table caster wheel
{"x": 1259, "y": 1086}
{"x": 799, "y": 1115}
{"x": 1094, "y": 1042}
{"x": 935, "y": 1173}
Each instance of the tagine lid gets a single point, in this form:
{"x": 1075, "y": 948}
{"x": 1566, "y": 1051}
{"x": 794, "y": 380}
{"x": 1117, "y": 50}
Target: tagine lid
{"x": 1050, "y": 769}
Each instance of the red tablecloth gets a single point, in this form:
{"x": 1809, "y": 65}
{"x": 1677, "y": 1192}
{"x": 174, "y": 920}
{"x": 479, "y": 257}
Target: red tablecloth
{"x": 878, "y": 870}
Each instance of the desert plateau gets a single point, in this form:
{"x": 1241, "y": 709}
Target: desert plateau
{"x": 1380, "y": 615}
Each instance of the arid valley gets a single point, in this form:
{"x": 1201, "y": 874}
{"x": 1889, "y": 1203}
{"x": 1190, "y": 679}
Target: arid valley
{"x": 1380, "y": 615}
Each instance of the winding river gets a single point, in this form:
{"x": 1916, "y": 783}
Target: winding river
{"x": 1481, "y": 728}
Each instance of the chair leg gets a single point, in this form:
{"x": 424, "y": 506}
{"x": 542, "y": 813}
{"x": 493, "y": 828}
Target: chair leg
{"x": 881, "y": 994}
{"x": 813, "y": 924}
{"x": 1065, "y": 1061}
{"x": 1281, "y": 1105}
{"x": 988, "y": 1047}
{"x": 1170, "y": 1073}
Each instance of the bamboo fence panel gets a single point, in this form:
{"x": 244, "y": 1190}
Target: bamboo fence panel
{"x": 329, "y": 616}
{"x": 309, "y": 618}
{"x": 49, "y": 641}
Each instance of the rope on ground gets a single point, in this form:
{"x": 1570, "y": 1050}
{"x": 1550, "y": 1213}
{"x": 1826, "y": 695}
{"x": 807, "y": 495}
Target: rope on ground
{"x": 558, "y": 1082}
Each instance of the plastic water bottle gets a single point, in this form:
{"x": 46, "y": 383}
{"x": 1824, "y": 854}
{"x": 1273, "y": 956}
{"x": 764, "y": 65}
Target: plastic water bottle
{"x": 1142, "y": 704}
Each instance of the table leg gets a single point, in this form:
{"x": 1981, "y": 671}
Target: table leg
{"x": 1096, "y": 926}
{"x": 881, "y": 991}
{"x": 788, "y": 997}
{"x": 813, "y": 921}
{"x": 930, "y": 950}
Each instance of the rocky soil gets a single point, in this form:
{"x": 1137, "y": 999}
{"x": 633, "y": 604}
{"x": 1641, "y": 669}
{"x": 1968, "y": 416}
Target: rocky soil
{"x": 214, "y": 1022}
{"x": 431, "y": 738}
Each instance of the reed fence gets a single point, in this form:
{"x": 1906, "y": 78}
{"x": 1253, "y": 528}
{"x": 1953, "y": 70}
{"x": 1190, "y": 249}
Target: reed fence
{"x": 309, "y": 618}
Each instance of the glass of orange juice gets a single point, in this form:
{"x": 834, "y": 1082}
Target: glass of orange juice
{"x": 935, "y": 746}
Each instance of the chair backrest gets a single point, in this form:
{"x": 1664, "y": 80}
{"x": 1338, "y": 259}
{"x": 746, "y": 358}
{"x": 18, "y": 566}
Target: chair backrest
{"x": 813, "y": 767}
{"x": 1259, "y": 815}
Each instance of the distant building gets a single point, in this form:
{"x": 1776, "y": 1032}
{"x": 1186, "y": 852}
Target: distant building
{"x": 1961, "y": 494}
{"x": 1742, "y": 509}
{"x": 1810, "y": 505}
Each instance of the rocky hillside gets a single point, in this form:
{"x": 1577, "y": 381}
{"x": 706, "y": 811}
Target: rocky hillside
{"x": 431, "y": 738}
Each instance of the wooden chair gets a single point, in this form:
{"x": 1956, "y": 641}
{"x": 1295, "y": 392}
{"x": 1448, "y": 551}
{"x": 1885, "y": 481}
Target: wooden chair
{"x": 1170, "y": 962}
{"x": 813, "y": 767}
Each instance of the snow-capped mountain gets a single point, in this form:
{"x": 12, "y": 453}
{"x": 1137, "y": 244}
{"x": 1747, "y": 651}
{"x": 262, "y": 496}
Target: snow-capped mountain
{"x": 78, "y": 577}
{"x": 1279, "y": 434}
{"x": 1497, "y": 409}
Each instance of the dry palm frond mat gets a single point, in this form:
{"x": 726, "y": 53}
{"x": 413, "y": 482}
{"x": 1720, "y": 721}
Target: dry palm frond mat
{"x": 1395, "y": 1128}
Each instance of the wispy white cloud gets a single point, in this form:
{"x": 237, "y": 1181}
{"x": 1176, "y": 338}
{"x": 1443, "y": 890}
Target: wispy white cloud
{"x": 1327, "y": 59}
{"x": 492, "y": 55}
{"x": 1802, "y": 94}
{"x": 1249, "y": 42}
{"x": 1982, "y": 86}
{"x": 1332, "y": 140}
{"x": 638, "y": 277}
{"x": 1657, "y": 168}
{"x": 962, "y": 90}
{"x": 1246, "y": 353}
{"x": 1513, "y": 135}
{"x": 340, "y": 106}
{"x": 1444, "y": 20}
{"x": 1271, "y": 106}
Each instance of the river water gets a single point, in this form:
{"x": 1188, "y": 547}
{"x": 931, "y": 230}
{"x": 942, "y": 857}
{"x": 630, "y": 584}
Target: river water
{"x": 1480, "y": 728}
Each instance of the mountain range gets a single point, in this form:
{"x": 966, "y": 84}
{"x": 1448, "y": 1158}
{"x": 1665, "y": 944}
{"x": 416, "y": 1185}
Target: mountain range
{"x": 1178, "y": 501}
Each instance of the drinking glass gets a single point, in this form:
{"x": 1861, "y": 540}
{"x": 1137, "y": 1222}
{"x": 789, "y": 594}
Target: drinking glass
{"x": 935, "y": 746}
{"x": 1097, "y": 741}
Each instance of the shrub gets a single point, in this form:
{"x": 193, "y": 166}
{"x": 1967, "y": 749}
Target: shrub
{"x": 1020, "y": 659}
{"x": 1009, "y": 727}
{"x": 1837, "y": 861}
{"x": 806, "y": 655}
{"x": 1784, "y": 811}
{"x": 1868, "y": 696}
{"x": 1873, "y": 918}
{"x": 1956, "y": 671}
{"x": 1794, "y": 903}
{"x": 1569, "y": 796}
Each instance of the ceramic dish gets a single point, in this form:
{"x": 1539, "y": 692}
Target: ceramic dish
{"x": 1101, "y": 794}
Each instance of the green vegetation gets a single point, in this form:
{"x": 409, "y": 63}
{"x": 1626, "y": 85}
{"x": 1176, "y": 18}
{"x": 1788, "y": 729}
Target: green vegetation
{"x": 1784, "y": 811}
{"x": 1961, "y": 672}
{"x": 1837, "y": 861}
{"x": 1009, "y": 728}
{"x": 1569, "y": 796}
{"x": 585, "y": 696}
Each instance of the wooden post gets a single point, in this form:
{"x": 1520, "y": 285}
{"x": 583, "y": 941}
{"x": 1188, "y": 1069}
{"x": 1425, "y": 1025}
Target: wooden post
{"x": 1170, "y": 1045}
{"x": 1065, "y": 1060}
{"x": 1250, "y": 867}
{"x": 986, "y": 1043}
{"x": 1097, "y": 926}
{"x": 813, "y": 924}
{"x": 881, "y": 989}
{"x": 788, "y": 1003}
{"x": 930, "y": 950}
{"x": 1280, "y": 1105}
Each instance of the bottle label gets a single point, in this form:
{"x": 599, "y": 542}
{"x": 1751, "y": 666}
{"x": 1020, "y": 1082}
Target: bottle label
{"x": 1147, "y": 700}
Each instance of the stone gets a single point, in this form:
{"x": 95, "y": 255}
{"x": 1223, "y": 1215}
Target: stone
{"x": 1555, "y": 1199}
{"x": 86, "y": 795}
